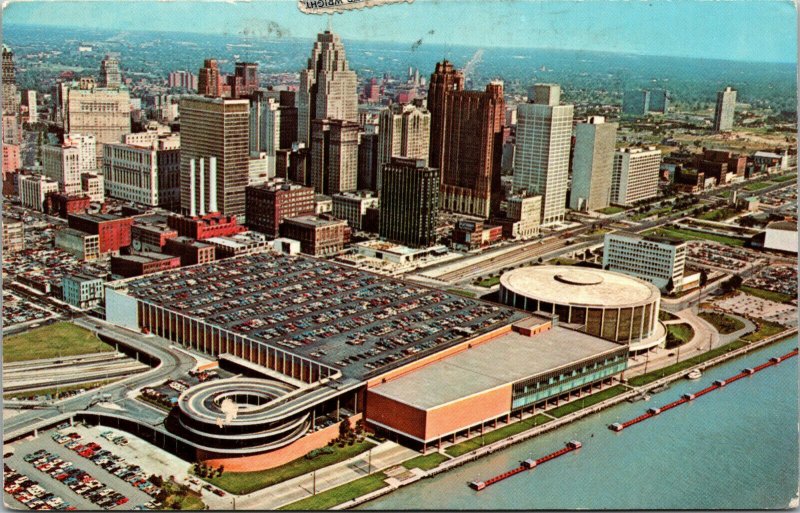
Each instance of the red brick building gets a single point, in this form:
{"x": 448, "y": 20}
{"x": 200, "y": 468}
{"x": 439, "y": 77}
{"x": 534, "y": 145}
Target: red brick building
{"x": 63, "y": 205}
{"x": 143, "y": 263}
{"x": 318, "y": 236}
{"x": 718, "y": 163}
{"x": 267, "y": 205}
{"x": 190, "y": 251}
{"x": 205, "y": 227}
{"x": 114, "y": 232}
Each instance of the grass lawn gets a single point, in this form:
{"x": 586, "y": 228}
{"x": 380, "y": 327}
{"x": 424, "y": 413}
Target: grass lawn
{"x": 719, "y": 214}
{"x": 240, "y": 483}
{"x": 181, "y": 497}
{"x": 460, "y": 292}
{"x": 497, "y": 434}
{"x": 579, "y": 404}
{"x": 765, "y": 329}
{"x": 678, "y": 334}
{"x": 680, "y": 366}
{"x": 684, "y": 234}
{"x": 663, "y": 315}
{"x": 58, "y": 339}
{"x": 53, "y": 391}
{"x": 612, "y": 210}
{"x": 725, "y": 324}
{"x": 725, "y": 194}
{"x": 778, "y": 297}
{"x": 489, "y": 282}
{"x": 651, "y": 213}
{"x": 784, "y": 178}
{"x": 340, "y": 494}
{"x": 426, "y": 462}
{"x": 562, "y": 261}
{"x": 756, "y": 186}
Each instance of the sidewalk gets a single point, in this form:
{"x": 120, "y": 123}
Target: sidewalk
{"x": 384, "y": 455}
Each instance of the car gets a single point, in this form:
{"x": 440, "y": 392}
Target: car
{"x": 219, "y": 492}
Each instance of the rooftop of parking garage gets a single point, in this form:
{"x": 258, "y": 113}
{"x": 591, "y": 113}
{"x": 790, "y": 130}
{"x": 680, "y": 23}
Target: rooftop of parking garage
{"x": 349, "y": 319}
{"x": 498, "y": 362}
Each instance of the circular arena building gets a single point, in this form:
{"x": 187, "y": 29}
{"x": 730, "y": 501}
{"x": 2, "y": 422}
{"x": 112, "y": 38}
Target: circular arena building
{"x": 606, "y": 304}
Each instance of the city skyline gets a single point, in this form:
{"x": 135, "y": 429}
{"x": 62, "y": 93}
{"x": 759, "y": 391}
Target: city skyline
{"x": 690, "y": 29}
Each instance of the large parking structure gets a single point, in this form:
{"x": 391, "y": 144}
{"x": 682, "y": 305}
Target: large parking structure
{"x": 304, "y": 318}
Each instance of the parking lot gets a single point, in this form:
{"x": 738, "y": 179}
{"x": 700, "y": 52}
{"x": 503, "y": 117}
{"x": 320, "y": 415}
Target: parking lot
{"x": 714, "y": 255}
{"x": 44, "y": 442}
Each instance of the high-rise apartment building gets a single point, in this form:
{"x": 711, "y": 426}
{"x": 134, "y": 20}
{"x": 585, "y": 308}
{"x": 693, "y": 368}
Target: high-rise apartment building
{"x": 541, "y": 157}
{"x": 444, "y": 80}
{"x": 409, "y": 202}
{"x": 659, "y": 101}
{"x": 334, "y": 156}
{"x": 209, "y": 80}
{"x": 592, "y": 164}
{"x": 726, "y": 106}
{"x": 328, "y": 87}
{"x": 270, "y": 203}
{"x": 215, "y": 127}
{"x": 403, "y": 131}
{"x": 472, "y": 151}
{"x": 655, "y": 259}
{"x": 635, "y": 175}
{"x": 104, "y": 113}
{"x": 110, "y": 75}
{"x": 636, "y": 102}
{"x": 183, "y": 80}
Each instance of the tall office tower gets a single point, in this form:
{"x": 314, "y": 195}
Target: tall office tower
{"x": 9, "y": 82}
{"x": 288, "y": 128}
{"x": 29, "y": 101}
{"x": 473, "y": 151}
{"x": 62, "y": 163}
{"x": 209, "y": 81}
{"x": 244, "y": 81}
{"x": 102, "y": 112}
{"x": 215, "y": 127}
{"x": 265, "y": 124}
{"x": 334, "y": 156}
{"x": 635, "y": 102}
{"x": 635, "y": 175}
{"x": 409, "y": 202}
{"x": 659, "y": 101}
{"x": 110, "y": 75}
{"x": 444, "y": 80}
{"x": 592, "y": 164}
{"x": 368, "y": 151}
{"x": 726, "y": 105}
{"x": 541, "y": 158}
{"x": 328, "y": 87}
{"x": 404, "y": 131}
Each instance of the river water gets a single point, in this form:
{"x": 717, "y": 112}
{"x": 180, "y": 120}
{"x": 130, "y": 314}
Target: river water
{"x": 735, "y": 448}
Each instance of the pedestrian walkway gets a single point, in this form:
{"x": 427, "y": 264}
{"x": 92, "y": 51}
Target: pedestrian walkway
{"x": 382, "y": 456}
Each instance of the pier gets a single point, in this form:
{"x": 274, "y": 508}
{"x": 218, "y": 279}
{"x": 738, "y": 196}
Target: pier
{"x": 526, "y": 465}
{"x": 652, "y": 412}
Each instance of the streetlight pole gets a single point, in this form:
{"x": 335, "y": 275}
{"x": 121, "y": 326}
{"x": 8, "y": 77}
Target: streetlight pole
{"x": 314, "y": 485}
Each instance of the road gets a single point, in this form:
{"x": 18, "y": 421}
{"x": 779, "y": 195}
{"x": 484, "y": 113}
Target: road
{"x": 173, "y": 364}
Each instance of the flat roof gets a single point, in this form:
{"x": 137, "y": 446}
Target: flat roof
{"x": 349, "y": 319}
{"x": 563, "y": 284}
{"x": 500, "y": 361}
{"x": 652, "y": 238}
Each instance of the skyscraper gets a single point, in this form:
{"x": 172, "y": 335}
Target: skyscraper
{"x": 209, "y": 81}
{"x": 635, "y": 102}
{"x": 592, "y": 164}
{"x": 409, "y": 202}
{"x": 215, "y": 127}
{"x": 328, "y": 87}
{"x": 635, "y": 175}
{"x": 473, "y": 150}
{"x": 444, "y": 80}
{"x": 723, "y": 114}
{"x": 541, "y": 158}
{"x": 659, "y": 101}
{"x": 102, "y": 112}
{"x": 110, "y": 75}
{"x": 334, "y": 156}
{"x": 244, "y": 81}
{"x": 404, "y": 131}
{"x": 9, "y": 82}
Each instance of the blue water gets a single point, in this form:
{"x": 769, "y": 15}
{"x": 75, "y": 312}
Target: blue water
{"x": 735, "y": 448}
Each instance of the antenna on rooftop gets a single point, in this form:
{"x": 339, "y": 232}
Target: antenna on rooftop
{"x": 330, "y": 22}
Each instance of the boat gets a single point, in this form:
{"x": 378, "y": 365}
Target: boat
{"x": 695, "y": 374}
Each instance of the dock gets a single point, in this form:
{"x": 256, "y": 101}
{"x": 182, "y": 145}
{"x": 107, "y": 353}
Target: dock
{"x": 526, "y": 465}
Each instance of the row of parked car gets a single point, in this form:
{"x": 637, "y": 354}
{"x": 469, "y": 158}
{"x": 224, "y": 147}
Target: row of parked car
{"x": 110, "y": 462}
{"x": 77, "y": 479}
{"x": 31, "y": 493}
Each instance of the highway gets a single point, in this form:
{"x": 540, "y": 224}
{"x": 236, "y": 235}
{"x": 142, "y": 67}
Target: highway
{"x": 173, "y": 364}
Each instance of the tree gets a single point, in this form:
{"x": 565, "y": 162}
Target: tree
{"x": 703, "y": 278}
{"x": 670, "y": 287}
{"x": 156, "y": 480}
{"x": 344, "y": 429}
{"x": 220, "y": 470}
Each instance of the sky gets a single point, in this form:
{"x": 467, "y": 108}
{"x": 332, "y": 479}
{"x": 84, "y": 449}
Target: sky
{"x": 741, "y": 30}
